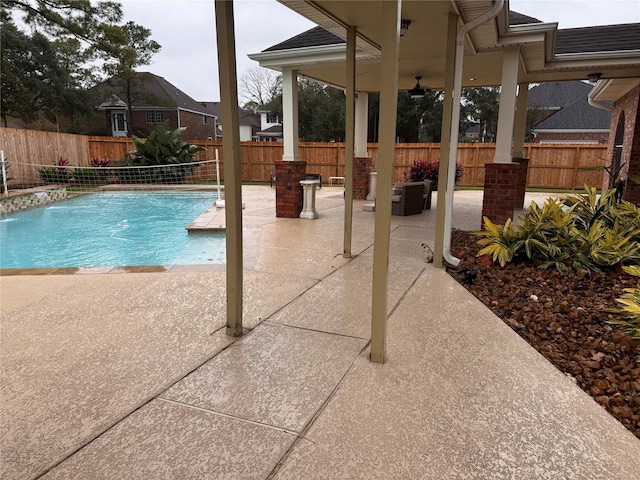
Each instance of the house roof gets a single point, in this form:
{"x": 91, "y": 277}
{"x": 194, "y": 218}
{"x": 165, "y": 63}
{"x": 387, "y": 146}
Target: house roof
{"x": 605, "y": 38}
{"x": 516, "y": 18}
{"x": 153, "y": 92}
{"x": 318, "y": 36}
{"x": 314, "y": 37}
{"x": 555, "y": 95}
{"x": 274, "y": 131}
{"x": 602, "y": 38}
{"x": 578, "y": 115}
{"x": 320, "y": 56}
{"x": 246, "y": 117}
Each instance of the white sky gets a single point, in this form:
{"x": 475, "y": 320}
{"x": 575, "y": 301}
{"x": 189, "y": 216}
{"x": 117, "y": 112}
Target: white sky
{"x": 186, "y": 31}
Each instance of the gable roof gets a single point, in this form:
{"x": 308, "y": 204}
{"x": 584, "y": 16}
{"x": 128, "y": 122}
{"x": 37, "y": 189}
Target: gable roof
{"x": 516, "y": 18}
{"x": 570, "y": 100}
{"x": 157, "y": 93}
{"x": 314, "y": 37}
{"x": 555, "y": 95}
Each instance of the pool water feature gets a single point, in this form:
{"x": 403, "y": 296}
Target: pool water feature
{"x": 111, "y": 229}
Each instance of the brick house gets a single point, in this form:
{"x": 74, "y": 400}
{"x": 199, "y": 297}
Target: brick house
{"x": 623, "y": 152}
{"x": 154, "y": 100}
{"x": 564, "y": 114}
{"x": 249, "y": 121}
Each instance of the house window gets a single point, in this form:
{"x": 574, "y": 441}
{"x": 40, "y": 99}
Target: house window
{"x": 204, "y": 120}
{"x": 273, "y": 118}
{"x": 155, "y": 116}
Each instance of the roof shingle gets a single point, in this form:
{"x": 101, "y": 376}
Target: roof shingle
{"x": 603, "y": 38}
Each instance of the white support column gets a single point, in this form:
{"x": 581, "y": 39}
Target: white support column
{"x": 350, "y": 108}
{"x": 445, "y": 139}
{"x": 521, "y": 121}
{"x": 231, "y": 156}
{"x": 506, "y": 114}
{"x": 390, "y": 12}
{"x": 290, "y": 114}
{"x": 362, "y": 122}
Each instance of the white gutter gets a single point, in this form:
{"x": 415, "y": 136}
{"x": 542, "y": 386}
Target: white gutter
{"x": 601, "y": 85}
{"x": 455, "y": 123}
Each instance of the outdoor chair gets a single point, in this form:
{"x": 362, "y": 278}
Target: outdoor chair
{"x": 428, "y": 189}
{"x": 408, "y": 198}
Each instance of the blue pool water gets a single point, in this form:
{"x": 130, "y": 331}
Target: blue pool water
{"x": 111, "y": 229}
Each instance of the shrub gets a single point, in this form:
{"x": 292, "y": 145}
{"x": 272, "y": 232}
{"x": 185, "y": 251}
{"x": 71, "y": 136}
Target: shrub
{"x": 630, "y": 312}
{"x": 582, "y": 232}
{"x": 59, "y": 173}
{"x": 421, "y": 170}
{"x": 98, "y": 163}
{"x": 165, "y": 147}
{"x": 86, "y": 175}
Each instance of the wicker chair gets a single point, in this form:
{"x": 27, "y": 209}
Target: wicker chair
{"x": 408, "y": 198}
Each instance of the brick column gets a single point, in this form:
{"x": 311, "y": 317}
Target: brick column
{"x": 361, "y": 171}
{"x": 521, "y": 182}
{"x": 288, "y": 189}
{"x": 500, "y": 181}
{"x": 632, "y": 189}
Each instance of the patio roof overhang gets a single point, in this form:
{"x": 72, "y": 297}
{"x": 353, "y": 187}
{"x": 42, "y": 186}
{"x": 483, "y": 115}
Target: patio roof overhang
{"x": 423, "y": 45}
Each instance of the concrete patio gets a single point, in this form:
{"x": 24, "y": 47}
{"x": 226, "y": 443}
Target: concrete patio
{"x": 127, "y": 372}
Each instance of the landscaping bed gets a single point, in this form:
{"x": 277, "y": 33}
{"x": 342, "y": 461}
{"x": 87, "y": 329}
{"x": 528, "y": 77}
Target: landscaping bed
{"x": 562, "y": 315}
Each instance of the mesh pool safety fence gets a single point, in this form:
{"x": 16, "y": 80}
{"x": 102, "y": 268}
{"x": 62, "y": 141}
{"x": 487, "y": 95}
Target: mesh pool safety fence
{"x": 102, "y": 173}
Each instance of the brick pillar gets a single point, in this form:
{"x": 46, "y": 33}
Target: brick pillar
{"x": 500, "y": 181}
{"x": 521, "y": 182}
{"x": 288, "y": 189}
{"x": 361, "y": 171}
{"x": 632, "y": 189}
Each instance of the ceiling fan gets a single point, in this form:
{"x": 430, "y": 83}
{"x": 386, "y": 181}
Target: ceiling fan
{"x": 418, "y": 91}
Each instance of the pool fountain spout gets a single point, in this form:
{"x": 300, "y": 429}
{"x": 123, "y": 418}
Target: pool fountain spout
{"x": 44, "y": 198}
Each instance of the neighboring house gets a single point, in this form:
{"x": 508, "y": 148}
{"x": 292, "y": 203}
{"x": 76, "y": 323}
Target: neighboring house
{"x": 249, "y": 121}
{"x": 472, "y": 133}
{"x": 154, "y": 100}
{"x": 565, "y": 116}
{"x": 270, "y": 127}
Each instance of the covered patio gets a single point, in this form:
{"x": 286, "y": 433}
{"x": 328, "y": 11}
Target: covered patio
{"x": 383, "y": 46}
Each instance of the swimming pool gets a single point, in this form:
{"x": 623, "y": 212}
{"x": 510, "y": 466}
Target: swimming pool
{"x": 111, "y": 229}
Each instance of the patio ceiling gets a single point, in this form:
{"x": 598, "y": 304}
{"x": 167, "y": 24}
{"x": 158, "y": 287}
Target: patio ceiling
{"x": 422, "y": 48}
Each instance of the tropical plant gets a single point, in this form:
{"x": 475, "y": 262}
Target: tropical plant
{"x": 584, "y": 232}
{"x": 58, "y": 173}
{"x": 629, "y": 313}
{"x": 421, "y": 170}
{"x": 100, "y": 163}
{"x": 163, "y": 147}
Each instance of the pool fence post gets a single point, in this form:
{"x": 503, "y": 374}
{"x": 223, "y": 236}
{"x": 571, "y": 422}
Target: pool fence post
{"x": 5, "y": 190}
{"x": 218, "y": 175}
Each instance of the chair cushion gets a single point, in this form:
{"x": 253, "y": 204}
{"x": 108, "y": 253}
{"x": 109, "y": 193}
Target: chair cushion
{"x": 396, "y": 198}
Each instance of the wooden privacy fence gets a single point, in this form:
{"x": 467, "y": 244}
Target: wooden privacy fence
{"x": 551, "y": 165}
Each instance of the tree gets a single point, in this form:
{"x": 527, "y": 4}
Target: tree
{"x": 38, "y": 77}
{"x": 418, "y": 120}
{"x": 260, "y": 89}
{"x": 321, "y": 112}
{"x": 46, "y": 64}
{"x": 483, "y": 105}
